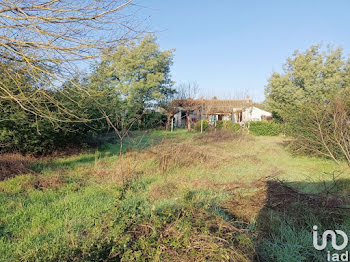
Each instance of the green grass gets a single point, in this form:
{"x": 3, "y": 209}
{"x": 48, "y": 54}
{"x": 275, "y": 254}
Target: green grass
{"x": 169, "y": 197}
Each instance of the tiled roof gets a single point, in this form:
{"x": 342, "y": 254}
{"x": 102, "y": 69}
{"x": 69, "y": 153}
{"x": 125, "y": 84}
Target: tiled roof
{"x": 212, "y": 105}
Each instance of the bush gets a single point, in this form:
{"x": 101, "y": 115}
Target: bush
{"x": 220, "y": 124}
{"x": 323, "y": 129}
{"x": 28, "y": 134}
{"x": 151, "y": 120}
{"x": 262, "y": 128}
{"x": 229, "y": 125}
{"x": 197, "y": 125}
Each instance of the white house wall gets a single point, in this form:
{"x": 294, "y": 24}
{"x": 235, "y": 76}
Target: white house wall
{"x": 254, "y": 114}
{"x": 250, "y": 114}
{"x": 177, "y": 118}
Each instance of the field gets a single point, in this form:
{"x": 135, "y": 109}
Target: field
{"x": 178, "y": 196}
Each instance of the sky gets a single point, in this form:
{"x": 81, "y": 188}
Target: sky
{"x": 231, "y": 47}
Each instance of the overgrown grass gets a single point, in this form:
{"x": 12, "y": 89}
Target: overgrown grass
{"x": 174, "y": 197}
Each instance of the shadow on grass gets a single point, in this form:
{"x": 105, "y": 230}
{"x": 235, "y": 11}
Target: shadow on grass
{"x": 284, "y": 225}
{"x": 108, "y": 151}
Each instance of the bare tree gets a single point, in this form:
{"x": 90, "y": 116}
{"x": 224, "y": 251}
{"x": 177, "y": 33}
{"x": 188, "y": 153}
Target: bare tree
{"x": 187, "y": 90}
{"x": 184, "y": 91}
{"x": 46, "y": 41}
{"x": 323, "y": 129}
{"x": 121, "y": 128}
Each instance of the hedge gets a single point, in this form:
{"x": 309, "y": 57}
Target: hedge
{"x": 263, "y": 128}
{"x": 197, "y": 126}
{"x": 228, "y": 125}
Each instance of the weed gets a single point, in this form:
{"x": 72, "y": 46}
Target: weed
{"x": 173, "y": 197}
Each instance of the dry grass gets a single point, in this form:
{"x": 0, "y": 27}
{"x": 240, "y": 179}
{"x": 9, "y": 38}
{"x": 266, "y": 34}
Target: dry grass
{"x": 210, "y": 239}
{"x": 52, "y": 182}
{"x": 281, "y": 197}
{"x": 14, "y": 164}
{"x": 195, "y": 198}
{"x": 222, "y": 136}
{"x": 251, "y": 200}
{"x": 125, "y": 169}
{"x": 169, "y": 155}
{"x": 161, "y": 191}
{"x": 215, "y": 245}
{"x": 200, "y": 151}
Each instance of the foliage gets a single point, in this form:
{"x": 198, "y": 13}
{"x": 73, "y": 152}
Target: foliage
{"x": 120, "y": 94}
{"x": 263, "y": 128}
{"x": 131, "y": 79}
{"x": 324, "y": 130}
{"x": 138, "y": 74}
{"x": 104, "y": 207}
{"x": 25, "y": 132}
{"x": 49, "y": 41}
{"x": 229, "y": 125}
{"x": 311, "y": 97}
{"x": 151, "y": 120}
{"x": 219, "y": 124}
{"x": 308, "y": 76}
{"x": 276, "y": 117}
{"x": 197, "y": 126}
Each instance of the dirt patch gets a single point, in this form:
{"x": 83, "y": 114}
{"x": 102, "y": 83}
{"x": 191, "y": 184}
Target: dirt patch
{"x": 14, "y": 164}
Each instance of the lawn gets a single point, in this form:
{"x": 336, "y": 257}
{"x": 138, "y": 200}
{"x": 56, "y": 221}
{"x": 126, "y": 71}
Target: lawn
{"x": 174, "y": 197}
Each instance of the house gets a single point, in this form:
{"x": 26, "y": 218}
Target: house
{"x": 189, "y": 111}
{"x": 255, "y": 114}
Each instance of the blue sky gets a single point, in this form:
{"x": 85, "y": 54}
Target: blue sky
{"x": 229, "y": 47}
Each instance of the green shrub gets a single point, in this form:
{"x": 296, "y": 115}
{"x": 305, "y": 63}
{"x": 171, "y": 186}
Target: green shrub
{"x": 197, "y": 125}
{"x": 151, "y": 120}
{"x": 263, "y": 128}
{"x": 29, "y": 134}
{"x": 323, "y": 129}
{"x": 219, "y": 124}
{"x": 229, "y": 125}
{"x": 22, "y": 132}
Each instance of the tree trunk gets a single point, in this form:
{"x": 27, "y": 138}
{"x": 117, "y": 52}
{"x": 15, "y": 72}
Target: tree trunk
{"x": 188, "y": 120}
{"x": 121, "y": 147}
{"x": 167, "y": 123}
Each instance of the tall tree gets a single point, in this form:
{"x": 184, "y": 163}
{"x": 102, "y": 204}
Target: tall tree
{"x": 46, "y": 40}
{"x": 308, "y": 76}
{"x": 131, "y": 79}
{"x": 312, "y": 97}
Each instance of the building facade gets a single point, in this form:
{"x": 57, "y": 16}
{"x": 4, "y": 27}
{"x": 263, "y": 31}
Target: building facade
{"x": 189, "y": 111}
